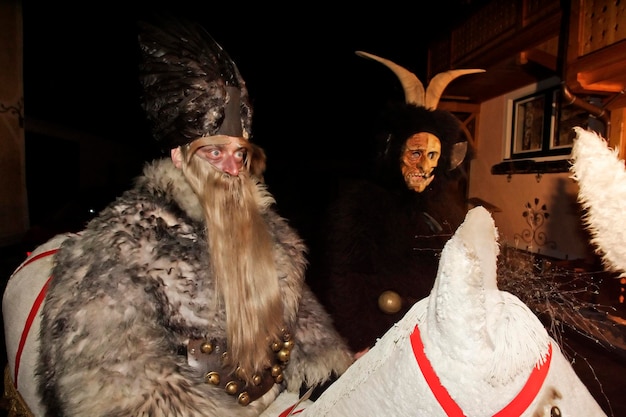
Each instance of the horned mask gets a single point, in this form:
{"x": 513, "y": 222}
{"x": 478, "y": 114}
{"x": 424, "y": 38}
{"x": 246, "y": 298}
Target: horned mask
{"x": 425, "y": 136}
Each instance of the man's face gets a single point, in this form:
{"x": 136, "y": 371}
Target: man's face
{"x": 227, "y": 155}
{"x": 419, "y": 158}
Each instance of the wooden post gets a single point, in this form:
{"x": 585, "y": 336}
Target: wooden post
{"x": 617, "y": 137}
{"x": 13, "y": 198}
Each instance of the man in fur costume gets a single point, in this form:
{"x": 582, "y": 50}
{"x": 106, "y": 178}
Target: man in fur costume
{"x": 384, "y": 236}
{"x": 186, "y": 295}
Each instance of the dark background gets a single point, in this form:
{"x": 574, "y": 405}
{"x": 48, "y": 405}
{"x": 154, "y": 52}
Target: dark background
{"x": 299, "y": 62}
{"x": 313, "y": 98}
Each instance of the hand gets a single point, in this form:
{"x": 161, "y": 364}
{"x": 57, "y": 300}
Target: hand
{"x": 361, "y": 353}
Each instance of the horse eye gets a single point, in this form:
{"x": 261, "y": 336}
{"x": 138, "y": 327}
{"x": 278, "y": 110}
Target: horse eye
{"x": 555, "y": 412}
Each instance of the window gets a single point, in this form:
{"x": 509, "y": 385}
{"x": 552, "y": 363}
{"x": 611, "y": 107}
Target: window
{"x": 539, "y": 128}
{"x": 534, "y": 127}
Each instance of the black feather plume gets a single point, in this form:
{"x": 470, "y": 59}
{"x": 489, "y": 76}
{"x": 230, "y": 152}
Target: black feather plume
{"x": 184, "y": 73}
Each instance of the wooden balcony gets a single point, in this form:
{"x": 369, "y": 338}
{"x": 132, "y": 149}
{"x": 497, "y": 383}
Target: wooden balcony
{"x": 525, "y": 41}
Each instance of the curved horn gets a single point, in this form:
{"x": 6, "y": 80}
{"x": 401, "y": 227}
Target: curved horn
{"x": 413, "y": 87}
{"x": 440, "y": 82}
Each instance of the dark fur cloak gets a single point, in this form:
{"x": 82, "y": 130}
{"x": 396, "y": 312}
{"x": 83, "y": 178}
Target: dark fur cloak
{"x": 135, "y": 285}
{"x": 380, "y": 238}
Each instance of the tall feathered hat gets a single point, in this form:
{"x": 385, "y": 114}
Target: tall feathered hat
{"x": 191, "y": 87}
{"x": 419, "y": 113}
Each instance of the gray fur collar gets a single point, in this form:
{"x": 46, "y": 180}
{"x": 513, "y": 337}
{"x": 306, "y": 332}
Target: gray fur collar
{"x": 163, "y": 175}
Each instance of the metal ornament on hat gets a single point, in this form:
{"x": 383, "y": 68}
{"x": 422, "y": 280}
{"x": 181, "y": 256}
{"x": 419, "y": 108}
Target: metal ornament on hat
{"x": 415, "y": 93}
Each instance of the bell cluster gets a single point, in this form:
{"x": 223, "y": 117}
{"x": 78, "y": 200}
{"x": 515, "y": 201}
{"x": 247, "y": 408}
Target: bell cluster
{"x": 282, "y": 353}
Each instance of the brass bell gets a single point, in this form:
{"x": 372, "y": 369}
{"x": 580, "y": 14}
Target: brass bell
{"x": 389, "y": 302}
{"x": 276, "y": 370}
{"x": 231, "y": 387}
{"x": 256, "y": 379}
{"x": 206, "y": 347}
{"x": 283, "y": 355}
{"x": 212, "y": 378}
{"x": 288, "y": 344}
{"x": 276, "y": 346}
{"x": 244, "y": 398}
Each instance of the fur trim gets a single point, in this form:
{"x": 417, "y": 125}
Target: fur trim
{"x": 135, "y": 285}
{"x": 163, "y": 175}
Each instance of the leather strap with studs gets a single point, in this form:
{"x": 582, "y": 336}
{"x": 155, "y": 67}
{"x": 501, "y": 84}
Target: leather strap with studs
{"x": 207, "y": 356}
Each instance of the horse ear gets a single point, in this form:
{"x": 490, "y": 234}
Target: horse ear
{"x": 479, "y": 234}
{"x": 467, "y": 268}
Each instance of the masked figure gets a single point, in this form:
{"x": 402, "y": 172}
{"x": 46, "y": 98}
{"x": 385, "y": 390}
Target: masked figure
{"x": 383, "y": 236}
{"x": 186, "y": 295}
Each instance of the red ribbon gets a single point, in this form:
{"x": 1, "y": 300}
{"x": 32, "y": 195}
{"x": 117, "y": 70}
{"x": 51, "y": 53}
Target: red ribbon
{"x": 33, "y": 311}
{"x": 515, "y": 408}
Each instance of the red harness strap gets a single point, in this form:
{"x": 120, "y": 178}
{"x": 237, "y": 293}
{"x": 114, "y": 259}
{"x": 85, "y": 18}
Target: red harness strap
{"x": 36, "y": 257}
{"x": 515, "y": 408}
{"x": 33, "y": 311}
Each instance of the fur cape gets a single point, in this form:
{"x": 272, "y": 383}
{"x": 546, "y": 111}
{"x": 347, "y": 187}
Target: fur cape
{"x": 135, "y": 285}
{"x": 377, "y": 239}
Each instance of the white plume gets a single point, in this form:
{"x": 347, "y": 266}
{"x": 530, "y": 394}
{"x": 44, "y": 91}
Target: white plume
{"x": 601, "y": 176}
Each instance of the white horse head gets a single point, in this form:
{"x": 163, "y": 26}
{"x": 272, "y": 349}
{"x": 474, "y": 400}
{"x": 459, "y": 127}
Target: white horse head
{"x": 467, "y": 349}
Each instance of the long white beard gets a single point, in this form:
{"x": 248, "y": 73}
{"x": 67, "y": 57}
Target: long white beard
{"x": 241, "y": 253}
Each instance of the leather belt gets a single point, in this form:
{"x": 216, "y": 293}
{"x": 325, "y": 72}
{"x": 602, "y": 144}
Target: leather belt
{"x": 207, "y": 357}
